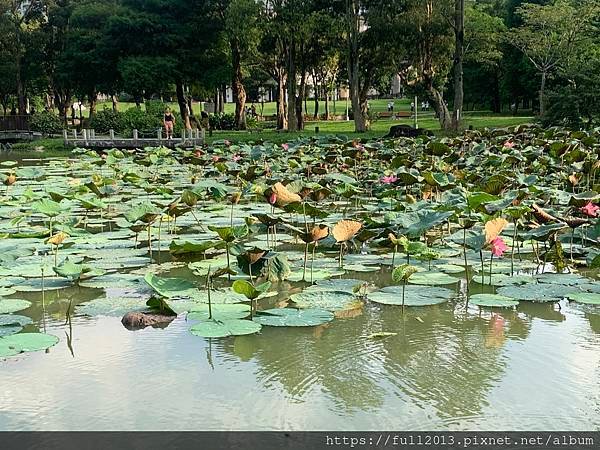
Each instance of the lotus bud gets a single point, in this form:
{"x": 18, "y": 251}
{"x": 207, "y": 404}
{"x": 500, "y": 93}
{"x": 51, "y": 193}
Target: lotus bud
{"x": 273, "y": 198}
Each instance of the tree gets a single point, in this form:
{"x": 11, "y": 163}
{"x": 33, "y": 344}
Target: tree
{"x": 428, "y": 44}
{"x": 549, "y": 36}
{"x": 18, "y": 20}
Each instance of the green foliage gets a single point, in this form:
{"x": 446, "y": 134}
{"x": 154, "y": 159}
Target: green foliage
{"x": 46, "y": 122}
{"x": 106, "y": 120}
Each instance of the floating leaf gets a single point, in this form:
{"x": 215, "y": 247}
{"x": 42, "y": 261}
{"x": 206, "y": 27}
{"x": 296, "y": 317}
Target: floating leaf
{"x": 11, "y": 305}
{"x": 414, "y": 295}
{"x": 327, "y": 300}
{"x": 225, "y": 328}
{"x": 26, "y": 342}
{"x": 287, "y": 317}
{"x": 432, "y": 278}
{"x": 493, "y": 301}
{"x": 588, "y": 298}
{"x": 220, "y": 312}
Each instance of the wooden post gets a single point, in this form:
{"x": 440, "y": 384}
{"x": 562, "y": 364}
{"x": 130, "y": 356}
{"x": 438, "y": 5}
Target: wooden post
{"x": 111, "y": 133}
{"x": 416, "y": 108}
{"x": 135, "y": 135}
{"x": 203, "y": 135}
{"x": 85, "y": 136}
{"x": 74, "y": 134}
{"x": 65, "y": 137}
{"x": 159, "y": 135}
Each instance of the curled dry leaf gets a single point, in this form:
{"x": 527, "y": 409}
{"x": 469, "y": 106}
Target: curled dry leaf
{"x": 58, "y": 238}
{"x": 345, "y": 230}
{"x": 542, "y": 215}
{"x": 493, "y": 228}
{"x": 318, "y": 232}
{"x": 283, "y": 195}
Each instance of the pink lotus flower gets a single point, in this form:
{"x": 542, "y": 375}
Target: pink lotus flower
{"x": 509, "y": 144}
{"x": 236, "y": 158}
{"x": 389, "y": 179}
{"x": 285, "y": 146}
{"x": 215, "y": 158}
{"x": 498, "y": 247}
{"x": 273, "y": 198}
{"x": 590, "y": 210}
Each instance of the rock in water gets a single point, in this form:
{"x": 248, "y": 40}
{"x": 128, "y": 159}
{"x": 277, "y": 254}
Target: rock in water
{"x": 140, "y": 320}
{"x": 398, "y": 131}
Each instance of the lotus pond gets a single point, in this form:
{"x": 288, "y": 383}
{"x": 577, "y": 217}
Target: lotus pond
{"x": 322, "y": 284}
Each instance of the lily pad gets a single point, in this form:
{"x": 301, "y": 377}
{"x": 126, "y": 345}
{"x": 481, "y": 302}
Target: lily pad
{"x": 170, "y": 287}
{"x": 343, "y": 284}
{"x": 11, "y": 305}
{"x": 493, "y": 301}
{"x": 220, "y": 312}
{"x": 317, "y": 274}
{"x": 413, "y": 295}
{"x": 328, "y": 300}
{"x": 27, "y": 342}
{"x": 538, "y": 292}
{"x": 588, "y": 298}
{"x": 4, "y": 291}
{"x": 432, "y": 278}
{"x": 112, "y": 306}
{"x": 287, "y": 317}
{"x": 225, "y": 328}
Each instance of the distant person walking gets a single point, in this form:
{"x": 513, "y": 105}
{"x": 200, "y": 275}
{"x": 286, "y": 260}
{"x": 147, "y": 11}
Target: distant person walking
{"x": 169, "y": 123}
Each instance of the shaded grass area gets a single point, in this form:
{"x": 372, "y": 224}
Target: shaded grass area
{"x": 54, "y": 146}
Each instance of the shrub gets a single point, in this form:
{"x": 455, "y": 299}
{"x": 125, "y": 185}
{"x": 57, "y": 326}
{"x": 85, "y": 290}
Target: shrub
{"x": 46, "y": 122}
{"x": 224, "y": 122}
{"x": 136, "y": 119}
{"x": 106, "y": 120}
{"x": 156, "y": 108}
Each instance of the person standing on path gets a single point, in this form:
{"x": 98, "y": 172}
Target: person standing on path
{"x": 169, "y": 123}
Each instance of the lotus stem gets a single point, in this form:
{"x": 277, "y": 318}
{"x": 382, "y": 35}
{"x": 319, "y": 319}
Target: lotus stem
{"x": 231, "y": 216}
{"x": 512, "y": 251}
{"x": 341, "y": 262}
{"x": 466, "y": 262}
{"x": 491, "y": 261}
{"x": 305, "y": 257}
{"x": 572, "y": 238}
{"x": 312, "y": 260}
{"x": 250, "y": 271}
{"x": 159, "y": 228}
{"x": 228, "y": 264}
{"x": 403, "y": 295}
{"x": 482, "y": 269}
{"x": 394, "y": 254}
{"x": 150, "y": 239}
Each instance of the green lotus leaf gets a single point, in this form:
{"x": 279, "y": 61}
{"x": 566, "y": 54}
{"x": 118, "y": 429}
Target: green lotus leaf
{"x": 170, "y": 287}
{"x": 326, "y": 299}
{"x": 588, "y": 298}
{"x": 343, "y": 284}
{"x": 413, "y": 295}
{"x": 112, "y": 306}
{"x": 432, "y": 278}
{"x": 26, "y": 342}
{"x": 219, "y": 312}
{"x": 492, "y": 301}
{"x": 538, "y": 292}
{"x": 11, "y": 305}
{"x": 287, "y": 317}
{"x": 225, "y": 328}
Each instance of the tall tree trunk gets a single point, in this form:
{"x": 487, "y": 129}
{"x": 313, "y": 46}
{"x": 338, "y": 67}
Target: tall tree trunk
{"x": 237, "y": 86}
{"x": 22, "y": 102}
{"x": 292, "y": 87}
{"x": 115, "y": 102}
{"x": 300, "y": 98}
{"x": 353, "y": 22}
{"x": 223, "y": 99}
{"x": 440, "y": 107}
{"x": 326, "y": 93}
{"x": 459, "y": 30}
{"x": 542, "y": 94}
{"x": 93, "y": 99}
{"x": 316, "y": 94}
{"x": 282, "y": 123}
{"x": 183, "y": 108}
